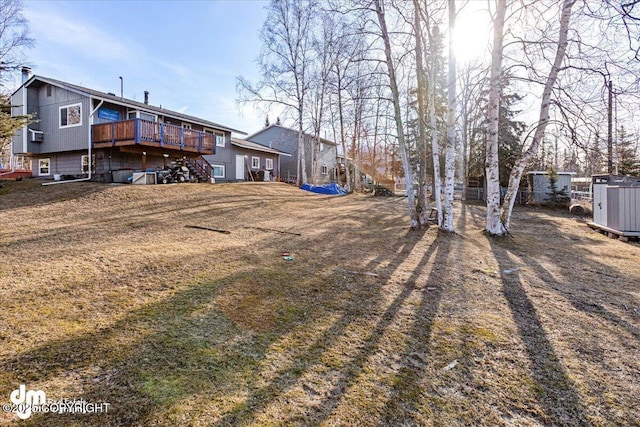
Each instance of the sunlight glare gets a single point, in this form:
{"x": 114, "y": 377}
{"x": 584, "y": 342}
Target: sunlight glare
{"x": 473, "y": 35}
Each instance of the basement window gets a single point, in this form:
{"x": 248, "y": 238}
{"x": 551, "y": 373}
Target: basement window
{"x": 218, "y": 171}
{"x": 43, "y": 167}
{"x": 70, "y": 116}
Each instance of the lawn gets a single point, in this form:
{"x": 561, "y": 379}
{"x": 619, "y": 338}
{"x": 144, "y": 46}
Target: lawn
{"x": 111, "y": 293}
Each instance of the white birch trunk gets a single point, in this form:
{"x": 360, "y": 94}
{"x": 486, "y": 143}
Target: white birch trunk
{"x": 543, "y": 120}
{"x": 422, "y": 134}
{"x": 413, "y": 216}
{"x": 450, "y": 154}
{"x": 435, "y": 145}
{"x": 494, "y": 225}
{"x": 342, "y": 136}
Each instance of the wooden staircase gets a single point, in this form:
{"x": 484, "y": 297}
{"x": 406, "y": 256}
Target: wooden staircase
{"x": 200, "y": 169}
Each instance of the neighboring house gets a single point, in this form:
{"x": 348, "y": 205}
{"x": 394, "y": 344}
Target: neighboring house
{"x": 235, "y": 161}
{"x": 120, "y": 135}
{"x": 286, "y": 140}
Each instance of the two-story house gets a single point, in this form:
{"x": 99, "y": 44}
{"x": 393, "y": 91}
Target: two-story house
{"x": 82, "y": 132}
{"x": 286, "y": 140}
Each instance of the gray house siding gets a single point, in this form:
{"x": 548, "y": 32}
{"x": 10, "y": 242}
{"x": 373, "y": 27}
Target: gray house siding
{"x": 286, "y": 140}
{"x": 45, "y": 105}
{"x": 55, "y": 138}
{"x": 17, "y": 110}
{"x": 250, "y": 154}
{"x": 60, "y": 164}
{"x": 226, "y": 156}
{"x": 223, "y": 157}
{"x": 327, "y": 157}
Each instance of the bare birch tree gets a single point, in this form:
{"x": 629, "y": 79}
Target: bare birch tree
{"x": 284, "y": 63}
{"x": 393, "y": 84}
{"x": 432, "y": 90}
{"x": 450, "y": 167}
{"x": 421, "y": 80}
{"x": 543, "y": 120}
{"x": 494, "y": 225}
{"x": 14, "y": 39}
{"x": 471, "y": 79}
{"x": 323, "y": 46}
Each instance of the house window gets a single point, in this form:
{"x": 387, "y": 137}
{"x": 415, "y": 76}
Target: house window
{"x": 186, "y": 126}
{"x": 149, "y": 117}
{"x": 255, "y": 162}
{"x": 84, "y": 163}
{"x": 324, "y": 169}
{"x": 43, "y": 167}
{"x": 218, "y": 171}
{"x": 219, "y": 139}
{"x": 71, "y": 115}
{"x": 269, "y": 164}
{"x": 48, "y": 90}
{"x": 142, "y": 115}
{"x": 321, "y": 146}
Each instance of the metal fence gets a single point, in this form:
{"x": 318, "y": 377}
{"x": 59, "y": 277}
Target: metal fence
{"x": 477, "y": 193}
{"x": 523, "y": 196}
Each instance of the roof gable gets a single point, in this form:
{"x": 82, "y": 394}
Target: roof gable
{"x": 288, "y": 130}
{"x": 242, "y": 143}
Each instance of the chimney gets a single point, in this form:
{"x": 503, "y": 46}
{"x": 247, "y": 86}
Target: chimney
{"x": 26, "y": 73}
{"x": 146, "y": 97}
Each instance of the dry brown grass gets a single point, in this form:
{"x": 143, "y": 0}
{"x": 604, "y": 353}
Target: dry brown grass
{"x": 106, "y": 295}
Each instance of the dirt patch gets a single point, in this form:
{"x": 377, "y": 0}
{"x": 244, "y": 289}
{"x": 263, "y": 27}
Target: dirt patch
{"x": 106, "y": 295}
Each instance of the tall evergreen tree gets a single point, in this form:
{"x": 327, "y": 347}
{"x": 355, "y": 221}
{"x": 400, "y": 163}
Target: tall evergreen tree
{"x": 628, "y": 155}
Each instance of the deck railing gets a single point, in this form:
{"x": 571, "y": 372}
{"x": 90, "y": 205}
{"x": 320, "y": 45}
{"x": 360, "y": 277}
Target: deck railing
{"x": 137, "y": 131}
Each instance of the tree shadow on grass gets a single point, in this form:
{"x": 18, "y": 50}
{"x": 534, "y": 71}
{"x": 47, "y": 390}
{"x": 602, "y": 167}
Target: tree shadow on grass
{"x": 175, "y": 349}
{"x": 408, "y": 384}
{"x": 583, "y": 298}
{"x": 555, "y": 392}
{"x": 356, "y": 307}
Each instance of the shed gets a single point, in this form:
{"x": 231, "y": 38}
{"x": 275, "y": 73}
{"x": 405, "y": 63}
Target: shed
{"x": 541, "y": 185}
{"x": 616, "y": 204}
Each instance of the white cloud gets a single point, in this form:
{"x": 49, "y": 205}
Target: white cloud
{"x": 57, "y": 27}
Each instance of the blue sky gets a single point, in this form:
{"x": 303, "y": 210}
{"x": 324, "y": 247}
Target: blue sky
{"x": 187, "y": 54}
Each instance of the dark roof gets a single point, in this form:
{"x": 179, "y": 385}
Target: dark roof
{"x": 255, "y": 146}
{"x": 138, "y": 105}
{"x": 323, "y": 140}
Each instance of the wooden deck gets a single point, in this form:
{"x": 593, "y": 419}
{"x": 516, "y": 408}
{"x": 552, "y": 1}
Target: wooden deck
{"x": 151, "y": 134}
